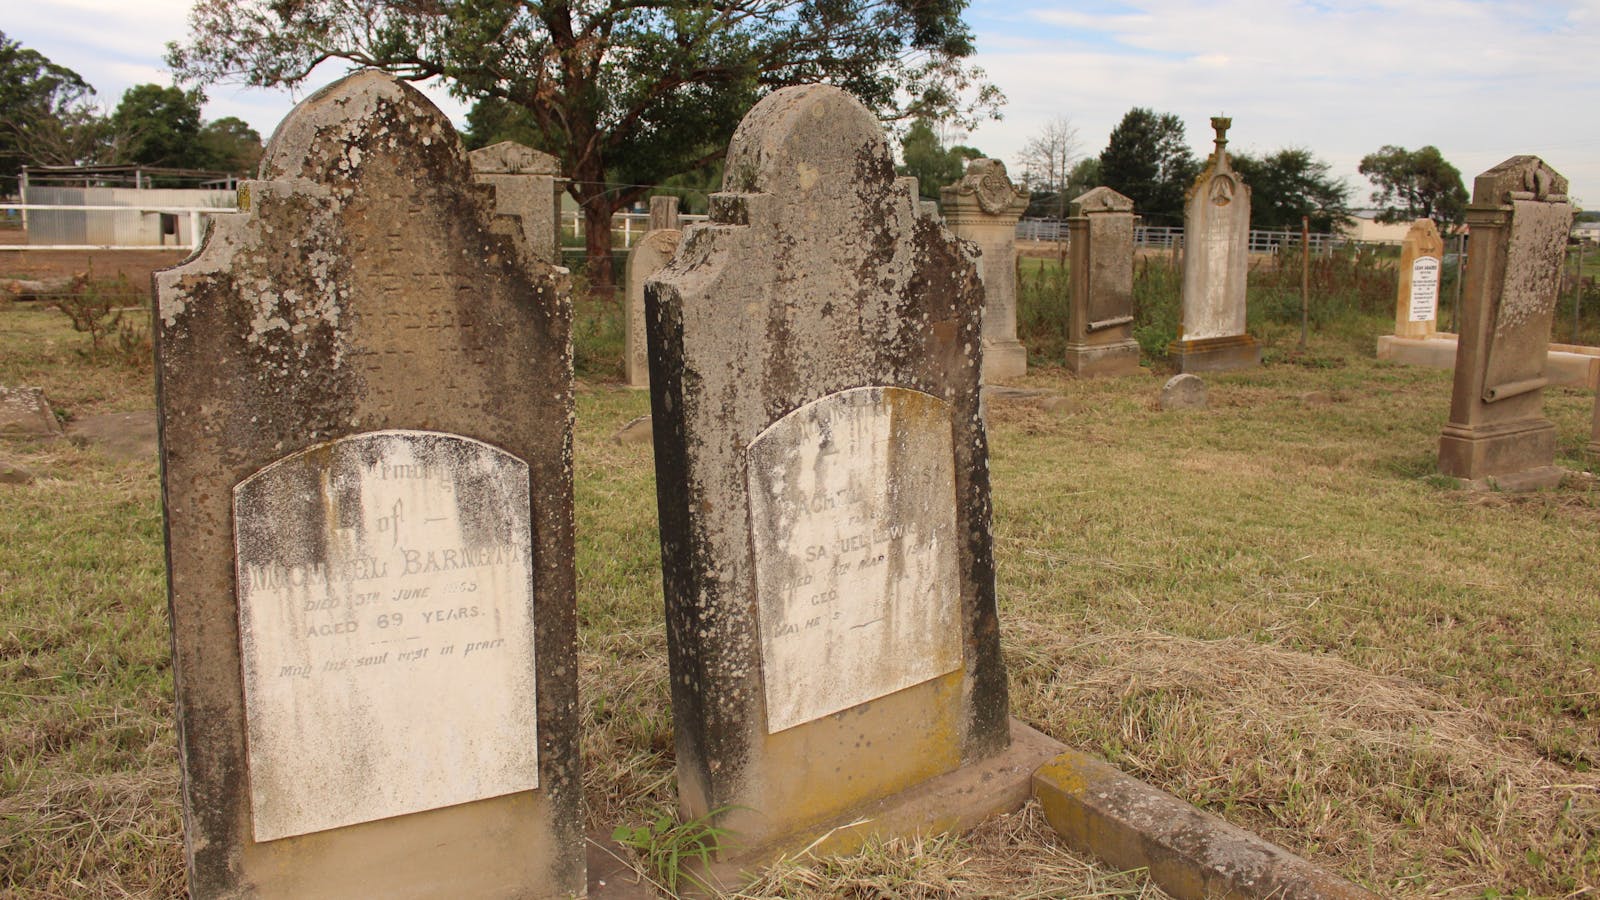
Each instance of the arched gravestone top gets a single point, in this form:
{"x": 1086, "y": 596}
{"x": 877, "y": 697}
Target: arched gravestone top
{"x": 1101, "y": 199}
{"x": 819, "y": 289}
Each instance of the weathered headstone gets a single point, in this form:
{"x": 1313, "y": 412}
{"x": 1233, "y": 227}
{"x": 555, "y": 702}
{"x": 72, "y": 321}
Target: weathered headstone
{"x": 366, "y": 420}
{"x": 1421, "y": 264}
{"x": 1100, "y": 331}
{"x": 1216, "y": 263}
{"x": 648, "y": 255}
{"x": 527, "y": 185}
{"x": 824, "y": 494}
{"x": 984, "y": 207}
{"x": 1519, "y": 218}
{"x": 25, "y": 413}
{"x": 1594, "y": 431}
{"x": 1183, "y": 392}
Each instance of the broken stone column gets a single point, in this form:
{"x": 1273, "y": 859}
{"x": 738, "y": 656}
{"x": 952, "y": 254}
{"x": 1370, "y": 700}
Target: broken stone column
{"x": 1216, "y": 265}
{"x": 365, "y": 394}
{"x": 1100, "y": 330}
{"x": 824, "y": 497}
{"x": 984, "y": 207}
{"x": 1519, "y": 219}
{"x": 648, "y": 256}
{"x": 1421, "y": 263}
{"x": 527, "y": 185}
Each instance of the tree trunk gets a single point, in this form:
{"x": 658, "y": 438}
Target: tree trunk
{"x": 597, "y": 205}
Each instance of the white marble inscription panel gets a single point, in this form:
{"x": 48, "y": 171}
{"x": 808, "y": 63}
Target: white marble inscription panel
{"x": 852, "y": 516}
{"x": 1424, "y": 288}
{"x": 386, "y": 627}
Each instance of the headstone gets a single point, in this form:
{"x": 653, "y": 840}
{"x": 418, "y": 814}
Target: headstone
{"x": 527, "y": 185}
{"x": 123, "y": 436}
{"x": 984, "y": 207}
{"x": 1519, "y": 218}
{"x": 1100, "y": 331}
{"x": 823, "y": 489}
{"x": 25, "y": 413}
{"x": 366, "y": 419}
{"x": 1421, "y": 264}
{"x": 1594, "y": 431}
{"x": 648, "y": 256}
{"x": 1183, "y": 392}
{"x": 1216, "y": 263}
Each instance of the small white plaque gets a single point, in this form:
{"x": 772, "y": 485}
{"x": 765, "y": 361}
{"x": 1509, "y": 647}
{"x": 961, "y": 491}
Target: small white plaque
{"x": 386, "y": 626}
{"x": 852, "y": 515}
{"x": 1424, "y": 288}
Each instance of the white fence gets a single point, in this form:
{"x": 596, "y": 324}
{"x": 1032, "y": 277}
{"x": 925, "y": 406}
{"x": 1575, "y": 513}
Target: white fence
{"x": 1163, "y": 237}
{"x": 117, "y": 218}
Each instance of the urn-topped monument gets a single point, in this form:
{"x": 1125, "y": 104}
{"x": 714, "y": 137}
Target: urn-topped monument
{"x": 984, "y": 207}
{"x": 1216, "y": 246}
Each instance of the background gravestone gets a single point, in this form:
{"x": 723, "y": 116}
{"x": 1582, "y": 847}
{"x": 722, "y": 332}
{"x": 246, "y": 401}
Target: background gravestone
{"x": 1421, "y": 266}
{"x": 1519, "y": 219}
{"x": 365, "y": 392}
{"x": 527, "y": 185}
{"x": 984, "y": 207}
{"x": 1100, "y": 330}
{"x": 1594, "y": 432}
{"x": 1216, "y": 264}
{"x": 648, "y": 255}
{"x": 823, "y": 492}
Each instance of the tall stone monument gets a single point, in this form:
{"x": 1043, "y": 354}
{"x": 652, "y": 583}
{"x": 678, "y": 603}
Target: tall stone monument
{"x": 1416, "y": 311}
{"x": 1100, "y": 332}
{"x": 527, "y": 183}
{"x": 365, "y": 391}
{"x": 648, "y": 255}
{"x": 1216, "y": 263}
{"x": 984, "y": 207}
{"x": 823, "y": 490}
{"x": 1519, "y": 219}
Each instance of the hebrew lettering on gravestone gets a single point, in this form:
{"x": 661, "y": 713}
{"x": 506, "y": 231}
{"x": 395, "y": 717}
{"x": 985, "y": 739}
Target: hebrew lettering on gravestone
{"x": 365, "y": 392}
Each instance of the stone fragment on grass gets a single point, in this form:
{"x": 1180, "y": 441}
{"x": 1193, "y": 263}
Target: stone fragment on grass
{"x": 637, "y": 431}
{"x": 1183, "y": 392}
{"x": 25, "y": 413}
{"x": 11, "y": 473}
{"x": 124, "y": 436}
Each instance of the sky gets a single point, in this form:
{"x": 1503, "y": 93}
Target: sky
{"x": 1482, "y": 80}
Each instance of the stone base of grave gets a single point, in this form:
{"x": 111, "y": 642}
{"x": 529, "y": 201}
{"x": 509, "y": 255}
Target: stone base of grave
{"x": 1569, "y": 365}
{"x": 1004, "y": 360}
{"x": 952, "y": 802}
{"x": 1104, "y": 360}
{"x": 1511, "y": 456}
{"x": 1223, "y": 354}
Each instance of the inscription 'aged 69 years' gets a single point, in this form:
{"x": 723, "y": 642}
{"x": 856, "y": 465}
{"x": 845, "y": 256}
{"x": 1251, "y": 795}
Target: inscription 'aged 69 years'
{"x": 385, "y": 606}
{"x": 852, "y": 505}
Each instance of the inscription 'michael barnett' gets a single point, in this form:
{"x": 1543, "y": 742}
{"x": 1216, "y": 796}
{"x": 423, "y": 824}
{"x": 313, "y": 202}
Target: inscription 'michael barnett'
{"x": 384, "y": 579}
{"x": 852, "y": 505}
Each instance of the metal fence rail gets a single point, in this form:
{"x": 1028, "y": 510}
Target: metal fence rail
{"x": 1165, "y": 237}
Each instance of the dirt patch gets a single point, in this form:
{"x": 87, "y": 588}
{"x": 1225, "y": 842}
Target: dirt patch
{"x": 135, "y": 265}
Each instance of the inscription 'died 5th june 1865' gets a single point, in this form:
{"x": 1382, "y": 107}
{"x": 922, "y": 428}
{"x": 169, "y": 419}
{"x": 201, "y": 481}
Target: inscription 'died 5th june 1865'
{"x": 386, "y": 625}
{"x": 852, "y": 509}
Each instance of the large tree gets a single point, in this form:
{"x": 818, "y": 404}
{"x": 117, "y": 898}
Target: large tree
{"x": 159, "y": 126}
{"x": 47, "y": 115}
{"x": 925, "y": 158}
{"x": 1148, "y": 160}
{"x": 628, "y": 91}
{"x": 229, "y": 144}
{"x": 1415, "y": 184}
{"x": 1289, "y": 184}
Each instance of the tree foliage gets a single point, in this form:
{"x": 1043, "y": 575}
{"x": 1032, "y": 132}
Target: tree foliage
{"x": 1148, "y": 160}
{"x": 229, "y": 144}
{"x": 1415, "y": 184}
{"x": 626, "y": 90}
{"x": 159, "y": 126}
{"x": 47, "y": 114}
{"x": 1289, "y": 184}
{"x": 925, "y": 158}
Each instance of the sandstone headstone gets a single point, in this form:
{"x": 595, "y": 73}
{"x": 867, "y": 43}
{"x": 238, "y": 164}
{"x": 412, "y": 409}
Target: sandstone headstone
{"x": 649, "y": 254}
{"x": 1519, "y": 218}
{"x": 823, "y": 491}
{"x": 124, "y": 436}
{"x": 25, "y": 413}
{"x": 1100, "y": 331}
{"x": 365, "y": 392}
{"x": 1216, "y": 263}
{"x": 1421, "y": 264}
{"x": 1594, "y": 431}
{"x": 528, "y": 186}
{"x": 984, "y": 207}
{"x": 1183, "y": 392}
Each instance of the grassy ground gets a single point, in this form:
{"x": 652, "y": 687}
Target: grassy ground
{"x": 1272, "y": 608}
